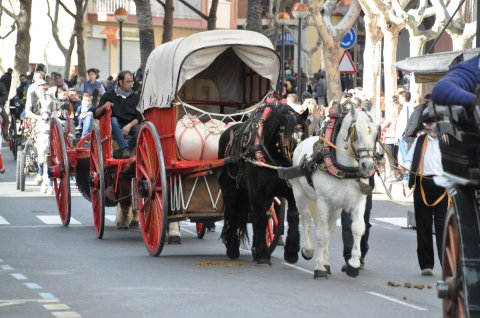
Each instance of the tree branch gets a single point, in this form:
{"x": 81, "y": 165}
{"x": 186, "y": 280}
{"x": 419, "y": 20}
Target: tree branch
{"x": 55, "y": 29}
{"x": 162, "y": 4}
{"x": 188, "y": 5}
{"x": 9, "y": 32}
{"x": 66, "y": 9}
{"x": 84, "y": 9}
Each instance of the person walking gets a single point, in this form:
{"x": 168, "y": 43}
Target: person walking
{"x": 424, "y": 161}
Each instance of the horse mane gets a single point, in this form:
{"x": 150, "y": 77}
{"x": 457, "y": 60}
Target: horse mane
{"x": 286, "y": 116}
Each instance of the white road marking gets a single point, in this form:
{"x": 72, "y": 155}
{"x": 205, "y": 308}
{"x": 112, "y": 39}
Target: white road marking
{"x": 66, "y": 314}
{"x": 10, "y": 303}
{"x": 56, "y": 306}
{"x": 33, "y": 286}
{"x": 6, "y": 267}
{"x": 402, "y": 222}
{"x": 298, "y": 268}
{"x": 396, "y": 301}
{"x": 48, "y": 296}
{"x": 19, "y": 276}
{"x": 111, "y": 217}
{"x": 3, "y": 221}
{"x": 55, "y": 220}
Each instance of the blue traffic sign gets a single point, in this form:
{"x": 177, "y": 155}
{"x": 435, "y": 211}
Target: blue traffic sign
{"x": 349, "y": 39}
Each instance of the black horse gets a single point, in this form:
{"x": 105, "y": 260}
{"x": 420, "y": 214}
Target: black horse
{"x": 269, "y": 136}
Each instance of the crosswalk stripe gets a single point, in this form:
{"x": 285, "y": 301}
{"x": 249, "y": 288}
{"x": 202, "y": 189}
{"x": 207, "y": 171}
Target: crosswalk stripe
{"x": 3, "y": 221}
{"x": 110, "y": 217}
{"x": 402, "y": 222}
{"x": 55, "y": 219}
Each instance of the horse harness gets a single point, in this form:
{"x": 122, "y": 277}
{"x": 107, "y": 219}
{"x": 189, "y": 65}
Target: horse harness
{"x": 247, "y": 143}
{"x": 324, "y": 156}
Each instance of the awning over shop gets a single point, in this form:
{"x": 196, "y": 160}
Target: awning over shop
{"x": 432, "y": 67}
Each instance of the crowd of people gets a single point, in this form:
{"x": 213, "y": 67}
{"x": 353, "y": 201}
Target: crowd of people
{"x": 77, "y": 101}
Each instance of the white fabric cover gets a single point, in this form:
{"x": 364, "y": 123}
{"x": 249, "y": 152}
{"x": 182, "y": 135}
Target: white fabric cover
{"x": 190, "y": 137}
{"x": 213, "y": 129}
{"x": 173, "y": 63}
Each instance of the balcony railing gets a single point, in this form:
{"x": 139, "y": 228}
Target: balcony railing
{"x": 105, "y": 7}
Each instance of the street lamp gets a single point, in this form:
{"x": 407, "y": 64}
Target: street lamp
{"x": 121, "y": 16}
{"x": 299, "y": 11}
{"x": 282, "y": 18}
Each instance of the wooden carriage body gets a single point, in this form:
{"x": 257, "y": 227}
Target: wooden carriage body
{"x": 459, "y": 139}
{"x": 215, "y": 74}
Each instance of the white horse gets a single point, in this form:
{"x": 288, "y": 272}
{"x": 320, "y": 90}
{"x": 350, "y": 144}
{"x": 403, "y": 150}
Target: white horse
{"x": 323, "y": 203}
{"x": 47, "y": 108}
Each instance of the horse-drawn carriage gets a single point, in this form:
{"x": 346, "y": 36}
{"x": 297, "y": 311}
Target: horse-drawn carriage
{"x": 201, "y": 82}
{"x": 459, "y": 145}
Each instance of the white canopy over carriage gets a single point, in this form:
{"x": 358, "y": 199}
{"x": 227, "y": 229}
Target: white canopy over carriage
{"x": 224, "y": 66}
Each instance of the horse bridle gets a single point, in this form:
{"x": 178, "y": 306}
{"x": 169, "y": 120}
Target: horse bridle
{"x": 361, "y": 153}
{"x": 288, "y": 147}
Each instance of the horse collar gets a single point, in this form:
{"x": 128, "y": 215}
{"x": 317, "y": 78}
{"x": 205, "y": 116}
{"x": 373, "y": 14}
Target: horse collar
{"x": 259, "y": 133}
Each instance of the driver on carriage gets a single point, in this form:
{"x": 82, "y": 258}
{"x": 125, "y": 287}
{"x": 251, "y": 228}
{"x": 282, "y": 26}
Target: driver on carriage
{"x": 125, "y": 117}
{"x": 460, "y": 86}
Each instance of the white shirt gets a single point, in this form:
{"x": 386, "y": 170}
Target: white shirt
{"x": 432, "y": 161}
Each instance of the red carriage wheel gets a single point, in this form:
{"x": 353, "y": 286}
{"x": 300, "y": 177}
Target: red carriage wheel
{"x": 275, "y": 223}
{"x": 97, "y": 181}
{"x": 152, "y": 189}
{"x": 60, "y": 170}
{"x": 201, "y": 229}
{"x": 452, "y": 273}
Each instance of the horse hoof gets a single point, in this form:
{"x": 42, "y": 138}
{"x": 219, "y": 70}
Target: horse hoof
{"x": 263, "y": 261}
{"x": 305, "y": 256}
{"x": 174, "y": 240}
{"x": 352, "y": 271}
{"x": 233, "y": 254}
{"x": 122, "y": 227}
{"x": 320, "y": 274}
{"x": 134, "y": 225}
{"x": 327, "y": 268}
{"x": 290, "y": 258}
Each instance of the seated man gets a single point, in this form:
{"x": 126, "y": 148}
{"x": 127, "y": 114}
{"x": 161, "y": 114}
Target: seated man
{"x": 125, "y": 116}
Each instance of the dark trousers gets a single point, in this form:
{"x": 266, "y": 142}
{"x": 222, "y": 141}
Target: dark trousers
{"x": 393, "y": 151}
{"x": 424, "y": 217}
{"x": 347, "y": 235}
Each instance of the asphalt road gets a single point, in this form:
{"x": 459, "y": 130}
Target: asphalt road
{"x": 48, "y": 270}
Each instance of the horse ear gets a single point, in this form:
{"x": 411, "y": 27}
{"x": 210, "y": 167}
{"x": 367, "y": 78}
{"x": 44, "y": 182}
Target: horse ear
{"x": 304, "y": 115}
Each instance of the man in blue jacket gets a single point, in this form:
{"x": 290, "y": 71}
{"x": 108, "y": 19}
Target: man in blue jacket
{"x": 459, "y": 85}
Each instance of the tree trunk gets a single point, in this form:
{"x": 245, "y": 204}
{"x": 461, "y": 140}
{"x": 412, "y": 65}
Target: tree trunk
{"x": 389, "y": 60}
{"x": 78, "y": 29}
{"x": 332, "y": 74}
{"x": 254, "y": 16}
{"x": 417, "y": 47}
{"x": 145, "y": 30}
{"x": 22, "y": 46}
{"x": 168, "y": 21}
{"x": 212, "y": 16}
{"x": 371, "y": 60}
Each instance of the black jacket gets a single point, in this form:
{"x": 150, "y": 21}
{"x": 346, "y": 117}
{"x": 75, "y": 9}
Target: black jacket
{"x": 125, "y": 109}
{"x": 414, "y": 125}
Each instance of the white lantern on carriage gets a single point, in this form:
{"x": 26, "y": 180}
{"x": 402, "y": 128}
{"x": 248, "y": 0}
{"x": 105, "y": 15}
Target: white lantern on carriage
{"x": 214, "y": 129}
{"x": 190, "y": 137}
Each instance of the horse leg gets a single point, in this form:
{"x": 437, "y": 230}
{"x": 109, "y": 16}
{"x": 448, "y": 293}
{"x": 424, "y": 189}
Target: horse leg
{"x": 234, "y": 201}
{"x": 292, "y": 243}
{"x": 123, "y": 217}
{"x": 332, "y": 225}
{"x": 134, "y": 223}
{"x": 358, "y": 228}
{"x": 260, "y": 251}
{"x": 323, "y": 239}
{"x": 306, "y": 219}
{"x": 174, "y": 233}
